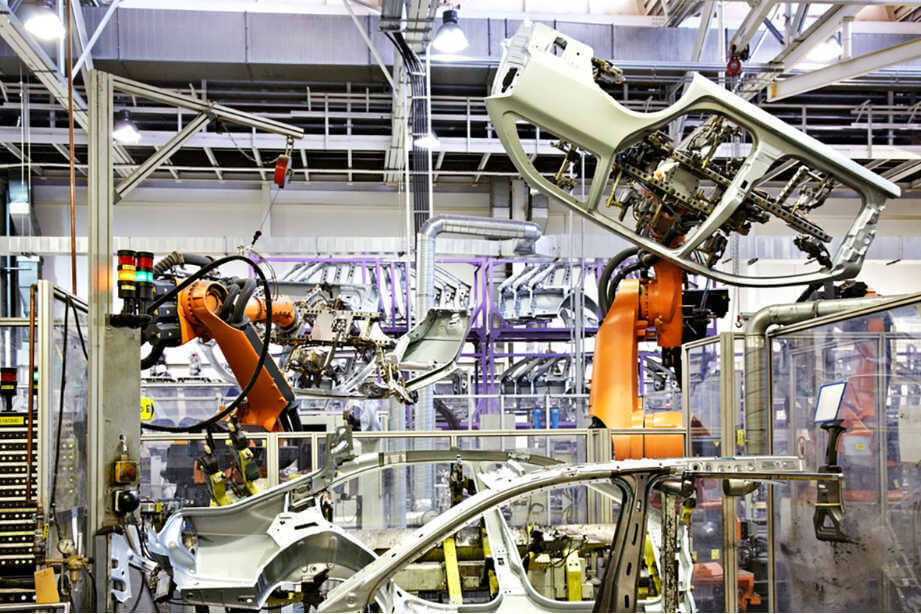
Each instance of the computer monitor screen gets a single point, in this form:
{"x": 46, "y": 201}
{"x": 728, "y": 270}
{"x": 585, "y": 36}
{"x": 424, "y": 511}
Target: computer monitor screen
{"x": 826, "y": 407}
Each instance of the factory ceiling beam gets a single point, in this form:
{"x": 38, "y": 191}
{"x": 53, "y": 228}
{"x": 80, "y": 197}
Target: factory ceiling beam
{"x": 304, "y": 164}
{"x": 217, "y": 111}
{"x": 369, "y": 44}
{"x": 259, "y": 165}
{"x": 706, "y": 17}
{"x": 703, "y": 29}
{"x": 380, "y": 143}
{"x": 46, "y": 71}
{"x": 800, "y": 17}
{"x": 797, "y": 49}
{"x": 902, "y": 171}
{"x": 85, "y": 55}
{"x": 82, "y": 41}
{"x": 16, "y": 151}
{"x": 846, "y": 69}
{"x": 749, "y": 26}
{"x": 481, "y": 166}
{"x": 63, "y": 151}
{"x": 213, "y": 161}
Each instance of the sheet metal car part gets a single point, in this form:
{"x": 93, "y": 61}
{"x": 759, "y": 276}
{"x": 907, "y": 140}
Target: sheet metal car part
{"x": 429, "y": 350}
{"x": 244, "y": 550}
{"x": 543, "y": 291}
{"x": 546, "y": 78}
{"x": 663, "y": 530}
{"x": 366, "y": 286}
{"x": 618, "y": 590}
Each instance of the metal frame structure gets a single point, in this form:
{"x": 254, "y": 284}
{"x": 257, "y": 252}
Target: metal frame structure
{"x": 461, "y": 156}
{"x": 474, "y": 155}
{"x": 114, "y": 377}
{"x": 725, "y": 343}
{"x": 880, "y": 395}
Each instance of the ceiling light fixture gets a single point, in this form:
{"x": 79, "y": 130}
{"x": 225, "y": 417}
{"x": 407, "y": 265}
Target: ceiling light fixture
{"x": 450, "y": 37}
{"x": 41, "y": 21}
{"x": 126, "y": 131}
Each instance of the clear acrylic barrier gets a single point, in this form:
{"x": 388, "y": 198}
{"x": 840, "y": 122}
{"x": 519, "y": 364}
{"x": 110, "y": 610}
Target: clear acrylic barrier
{"x": 729, "y": 536}
{"x": 876, "y": 355}
{"x": 704, "y": 393}
{"x": 67, "y": 434}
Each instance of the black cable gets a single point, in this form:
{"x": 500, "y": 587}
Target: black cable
{"x": 808, "y": 291}
{"x": 247, "y": 287}
{"x": 137, "y": 601}
{"x": 175, "y": 259}
{"x": 603, "y": 303}
{"x": 153, "y": 355}
{"x": 57, "y": 437}
{"x": 621, "y": 274}
{"x": 70, "y": 303}
{"x": 188, "y": 281}
{"x": 93, "y": 591}
{"x": 227, "y": 305}
{"x": 267, "y": 339}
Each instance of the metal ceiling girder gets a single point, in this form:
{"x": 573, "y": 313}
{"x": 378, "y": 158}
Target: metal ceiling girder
{"x": 34, "y": 57}
{"x": 160, "y": 156}
{"x": 217, "y": 111}
{"x": 821, "y": 30}
{"x": 369, "y": 44}
{"x": 82, "y": 44}
{"x": 706, "y": 17}
{"x": 846, "y": 69}
{"x": 213, "y": 161}
{"x": 46, "y": 71}
{"x": 903, "y": 170}
{"x": 25, "y": 159}
{"x": 750, "y": 25}
{"x": 85, "y": 55}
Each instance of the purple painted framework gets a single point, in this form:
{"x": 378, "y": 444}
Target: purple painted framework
{"x": 488, "y": 328}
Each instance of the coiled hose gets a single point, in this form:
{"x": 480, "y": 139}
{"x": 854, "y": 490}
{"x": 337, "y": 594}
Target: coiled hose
{"x": 175, "y": 259}
{"x": 604, "y": 303}
{"x": 607, "y": 285}
{"x": 266, "y": 339}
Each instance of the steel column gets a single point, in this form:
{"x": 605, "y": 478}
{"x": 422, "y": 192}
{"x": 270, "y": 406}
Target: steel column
{"x": 44, "y": 350}
{"x": 727, "y": 444}
{"x": 113, "y": 394}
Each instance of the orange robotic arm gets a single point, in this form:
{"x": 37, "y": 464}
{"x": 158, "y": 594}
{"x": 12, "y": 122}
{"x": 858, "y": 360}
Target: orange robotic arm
{"x": 638, "y": 307}
{"x": 271, "y": 401}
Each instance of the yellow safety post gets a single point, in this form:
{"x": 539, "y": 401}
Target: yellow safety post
{"x": 452, "y": 572}
{"x": 491, "y": 574}
{"x": 573, "y": 576}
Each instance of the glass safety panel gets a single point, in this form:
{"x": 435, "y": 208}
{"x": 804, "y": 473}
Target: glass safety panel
{"x": 875, "y": 356}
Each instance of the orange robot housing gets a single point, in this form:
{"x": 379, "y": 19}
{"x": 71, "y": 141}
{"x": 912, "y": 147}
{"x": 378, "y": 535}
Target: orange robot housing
{"x": 198, "y": 308}
{"x": 641, "y": 311}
